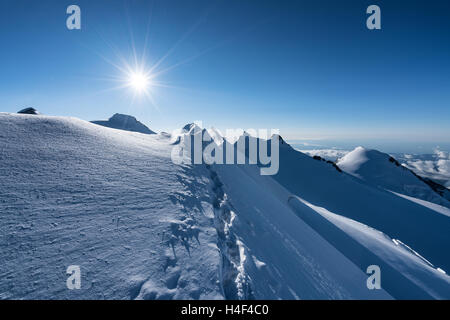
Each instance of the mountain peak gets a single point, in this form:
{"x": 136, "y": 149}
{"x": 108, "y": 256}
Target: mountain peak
{"x": 119, "y": 117}
{"x": 383, "y": 170}
{"x": 28, "y": 111}
{"x": 124, "y": 122}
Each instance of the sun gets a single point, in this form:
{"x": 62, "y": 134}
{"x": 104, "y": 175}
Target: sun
{"x": 139, "y": 81}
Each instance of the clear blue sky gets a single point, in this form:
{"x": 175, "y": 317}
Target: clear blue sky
{"x": 310, "y": 68}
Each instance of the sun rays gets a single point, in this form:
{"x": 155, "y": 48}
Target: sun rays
{"x": 136, "y": 73}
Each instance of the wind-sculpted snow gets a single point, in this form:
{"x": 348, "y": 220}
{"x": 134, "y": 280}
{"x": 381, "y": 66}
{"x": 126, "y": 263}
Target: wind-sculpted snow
{"x": 285, "y": 258}
{"x": 110, "y": 201}
{"x": 142, "y": 227}
{"x": 236, "y": 282}
{"x": 405, "y": 276}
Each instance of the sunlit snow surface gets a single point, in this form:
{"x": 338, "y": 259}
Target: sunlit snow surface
{"x": 111, "y": 201}
{"x": 141, "y": 227}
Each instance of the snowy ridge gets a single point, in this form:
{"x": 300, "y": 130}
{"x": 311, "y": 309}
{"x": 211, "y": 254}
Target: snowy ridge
{"x": 362, "y": 201}
{"x": 235, "y": 281}
{"x": 286, "y": 259}
{"x": 111, "y": 201}
{"x": 383, "y": 170}
{"x": 142, "y": 227}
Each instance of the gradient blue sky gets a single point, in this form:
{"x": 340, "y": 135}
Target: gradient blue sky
{"x": 309, "y": 68}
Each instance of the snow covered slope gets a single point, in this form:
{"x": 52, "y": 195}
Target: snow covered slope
{"x": 277, "y": 254}
{"x": 319, "y": 183}
{"x": 110, "y": 201}
{"x": 382, "y": 170}
{"x": 142, "y": 227}
{"x": 265, "y": 216}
